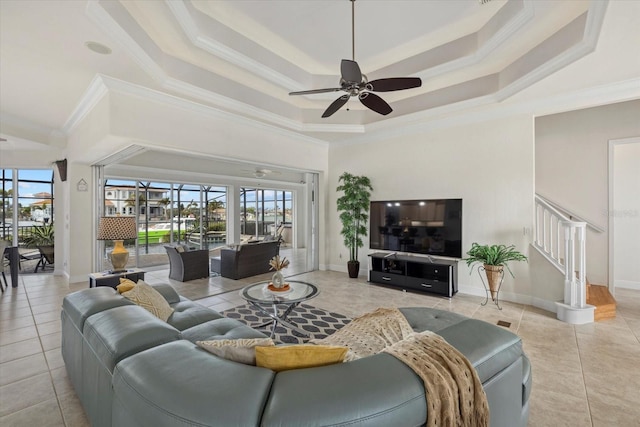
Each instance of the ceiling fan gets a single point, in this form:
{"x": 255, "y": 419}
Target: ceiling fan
{"x": 355, "y": 83}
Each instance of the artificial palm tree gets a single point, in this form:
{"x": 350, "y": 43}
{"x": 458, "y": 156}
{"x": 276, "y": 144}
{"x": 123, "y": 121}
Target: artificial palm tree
{"x": 354, "y": 213}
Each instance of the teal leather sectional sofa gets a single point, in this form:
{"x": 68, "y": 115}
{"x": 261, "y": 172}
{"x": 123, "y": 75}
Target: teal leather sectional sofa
{"x": 130, "y": 368}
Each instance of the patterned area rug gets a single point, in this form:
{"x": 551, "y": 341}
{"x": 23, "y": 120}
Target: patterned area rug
{"x": 318, "y": 322}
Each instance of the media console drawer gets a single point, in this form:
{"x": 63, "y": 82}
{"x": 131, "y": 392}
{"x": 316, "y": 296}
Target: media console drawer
{"x": 388, "y": 278}
{"x": 414, "y": 273}
{"x": 435, "y": 286}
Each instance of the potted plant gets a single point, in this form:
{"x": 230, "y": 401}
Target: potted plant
{"x": 494, "y": 258}
{"x": 354, "y": 213}
{"x": 39, "y": 236}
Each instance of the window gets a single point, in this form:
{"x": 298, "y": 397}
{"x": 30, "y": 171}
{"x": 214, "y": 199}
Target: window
{"x": 33, "y": 201}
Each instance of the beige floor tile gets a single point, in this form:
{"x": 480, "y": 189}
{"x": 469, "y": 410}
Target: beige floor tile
{"x": 28, "y": 392}
{"x": 49, "y": 327}
{"x": 54, "y": 358}
{"x": 72, "y": 411}
{"x": 45, "y": 308}
{"x": 61, "y": 381}
{"x": 613, "y": 410}
{"x": 15, "y": 335}
{"x": 51, "y": 341}
{"x": 47, "y": 317}
{"x": 20, "y": 349}
{"x": 16, "y": 323}
{"x": 25, "y": 367}
{"x": 11, "y": 312}
{"x": 43, "y": 414}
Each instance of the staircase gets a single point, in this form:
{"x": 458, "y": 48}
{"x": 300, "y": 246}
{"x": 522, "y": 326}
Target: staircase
{"x": 605, "y": 304}
{"x": 561, "y": 241}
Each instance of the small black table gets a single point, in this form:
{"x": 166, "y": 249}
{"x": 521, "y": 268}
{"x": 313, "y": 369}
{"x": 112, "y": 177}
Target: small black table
{"x": 106, "y": 278}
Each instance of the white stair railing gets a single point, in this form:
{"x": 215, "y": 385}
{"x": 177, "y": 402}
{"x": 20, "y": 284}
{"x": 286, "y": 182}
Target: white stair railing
{"x": 563, "y": 243}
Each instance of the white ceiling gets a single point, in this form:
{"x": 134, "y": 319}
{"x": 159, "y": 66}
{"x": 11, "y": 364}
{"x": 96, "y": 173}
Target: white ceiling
{"x": 245, "y": 56}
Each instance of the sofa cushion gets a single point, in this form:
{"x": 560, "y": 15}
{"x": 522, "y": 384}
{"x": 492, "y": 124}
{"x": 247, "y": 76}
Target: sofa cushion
{"x": 374, "y": 391}
{"x": 241, "y": 350}
{"x": 187, "y": 314}
{"x": 286, "y": 357}
{"x": 151, "y": 300}
{"x": 168, "y": 292}
{"x": 489, "y": 348}
{"x": 81, "y": 304}
{"x": 122, "y": 331}
{"x": 218, "y": 329}
{"x": 182, "y": 385}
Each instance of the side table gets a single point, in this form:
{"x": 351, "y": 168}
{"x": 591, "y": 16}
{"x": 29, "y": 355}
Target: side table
{"x": 105, "y": 278}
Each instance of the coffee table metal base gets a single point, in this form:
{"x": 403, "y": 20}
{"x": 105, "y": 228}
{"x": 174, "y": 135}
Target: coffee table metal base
{"x": 278, "y": 317}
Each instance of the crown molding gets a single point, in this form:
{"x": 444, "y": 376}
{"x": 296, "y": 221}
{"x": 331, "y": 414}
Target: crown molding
{"x": 242, "y": 113}
{"x": 186, "y": 22}
{"x": 88, "y": 101}
{"x": 101, "y": 85}
{"x": 462, "y": 113}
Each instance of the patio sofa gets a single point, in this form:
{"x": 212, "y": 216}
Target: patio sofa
{"x": 129, "y": 368}
{"x": 246, "y": 260}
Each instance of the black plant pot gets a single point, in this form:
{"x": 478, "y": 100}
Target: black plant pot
{"x": 354, "y": 268}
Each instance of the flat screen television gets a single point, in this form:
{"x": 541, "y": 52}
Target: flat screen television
{"x": 429, "y": 227}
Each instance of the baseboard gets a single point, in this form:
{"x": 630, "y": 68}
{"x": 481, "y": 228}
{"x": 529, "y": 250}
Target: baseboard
{"x": 627, "y": 284}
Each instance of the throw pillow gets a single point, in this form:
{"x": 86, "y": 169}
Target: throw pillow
{"x": 180, "y": 248}
{"x": 240, "y": 350}
{"x": 282, "y": 358}
{"x": 125, "y": 285}
{"x": 148, "y": 298}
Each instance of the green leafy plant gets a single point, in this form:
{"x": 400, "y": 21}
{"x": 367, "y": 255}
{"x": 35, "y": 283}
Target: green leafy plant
{"x": 39, "y": 236}
{"x": 354, "y": 210}
{"x": 493, "y": 255}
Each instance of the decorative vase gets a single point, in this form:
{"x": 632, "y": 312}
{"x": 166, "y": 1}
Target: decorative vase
{"x": 494, "y": 276}
{"x": 277, "y": 279}
{"x": 354, "y": 268}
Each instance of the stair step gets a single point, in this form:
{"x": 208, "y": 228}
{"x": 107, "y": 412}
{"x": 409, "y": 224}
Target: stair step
{"x": 599, "y": 296}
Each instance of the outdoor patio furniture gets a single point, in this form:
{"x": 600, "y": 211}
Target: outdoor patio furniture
{"x": 3, "y": 261}
{"x": 46, "y": 258}
{"x": 186, "y": 264}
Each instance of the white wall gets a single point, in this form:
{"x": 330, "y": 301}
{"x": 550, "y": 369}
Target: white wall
{"x": 626, "y": 214}
{"x": 571, "y": 158}
{"x": 489, "y": 165}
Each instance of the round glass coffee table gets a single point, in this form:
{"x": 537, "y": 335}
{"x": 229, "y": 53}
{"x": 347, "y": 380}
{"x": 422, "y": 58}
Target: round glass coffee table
{"x": 280, "y": 303}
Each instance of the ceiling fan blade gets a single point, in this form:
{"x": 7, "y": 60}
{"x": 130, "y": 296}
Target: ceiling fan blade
{"x": 375, "y": 103}
{"x": 394, "y": 83}
{"x": 335, "y": 106}
{"x": 350, "y": 71}
{"x": 312, "y": 91}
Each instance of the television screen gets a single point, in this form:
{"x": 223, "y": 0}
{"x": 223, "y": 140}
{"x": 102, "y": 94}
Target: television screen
{"x": 430, "y": 227}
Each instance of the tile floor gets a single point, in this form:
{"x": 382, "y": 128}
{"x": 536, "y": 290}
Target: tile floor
{"x": 586, "y": 375}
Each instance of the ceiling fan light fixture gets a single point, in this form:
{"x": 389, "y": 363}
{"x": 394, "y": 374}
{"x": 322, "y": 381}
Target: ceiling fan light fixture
{"x": 98, "y": 48}
{"x": 354, "y": 83}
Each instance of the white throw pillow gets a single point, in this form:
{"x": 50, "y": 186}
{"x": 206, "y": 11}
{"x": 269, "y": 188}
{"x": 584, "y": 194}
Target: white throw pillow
{"x": 151, "y": 300}
{"x": 240, "y": 350}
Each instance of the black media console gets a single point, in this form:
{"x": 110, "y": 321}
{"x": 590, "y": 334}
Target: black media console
{"x": 414, "y": 273}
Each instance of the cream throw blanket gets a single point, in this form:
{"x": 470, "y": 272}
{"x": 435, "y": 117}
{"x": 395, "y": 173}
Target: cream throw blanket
{"x": 455, "y": 396}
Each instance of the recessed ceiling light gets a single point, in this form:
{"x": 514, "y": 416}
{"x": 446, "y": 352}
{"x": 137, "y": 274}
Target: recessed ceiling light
{"x": 98, "y": 48}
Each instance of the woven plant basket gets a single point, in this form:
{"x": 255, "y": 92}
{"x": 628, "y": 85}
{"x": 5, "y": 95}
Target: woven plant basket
{"x": 494, "y": 276}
